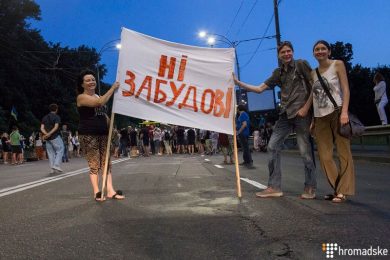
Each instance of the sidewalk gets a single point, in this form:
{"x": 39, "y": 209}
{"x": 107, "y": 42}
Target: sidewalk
{"x": 363, "y": 155}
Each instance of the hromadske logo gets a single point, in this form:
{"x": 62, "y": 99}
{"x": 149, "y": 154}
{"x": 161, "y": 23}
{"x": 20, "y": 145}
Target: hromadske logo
{"x": 333, "y": 249}
{"x": 329, "y": 249}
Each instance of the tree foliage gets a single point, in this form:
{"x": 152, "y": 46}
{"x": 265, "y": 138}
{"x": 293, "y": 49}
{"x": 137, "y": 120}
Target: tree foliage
{"x": 35, "y": 73}
{"x": 360, "y": 83}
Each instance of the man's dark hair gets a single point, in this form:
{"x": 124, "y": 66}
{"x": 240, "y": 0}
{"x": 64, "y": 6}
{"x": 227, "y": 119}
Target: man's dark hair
{"x": 53, "y": 107}
{"x": 241, "y": 107}
{"x": 285, "y": 43}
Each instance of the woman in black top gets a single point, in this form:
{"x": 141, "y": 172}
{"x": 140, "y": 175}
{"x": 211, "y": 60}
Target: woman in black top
{"x": 93, "y": 131}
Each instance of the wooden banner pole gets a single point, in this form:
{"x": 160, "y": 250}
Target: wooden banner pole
{"x": 238, "y": 179}
{"x": 108, "y": 155}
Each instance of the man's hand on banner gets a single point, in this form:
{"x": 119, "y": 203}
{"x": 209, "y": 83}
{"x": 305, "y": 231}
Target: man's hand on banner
{"x": 236, "y": 81}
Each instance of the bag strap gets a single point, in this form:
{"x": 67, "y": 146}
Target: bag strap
{"x": 326, "y": 89}
{"x": 305, "y": 81}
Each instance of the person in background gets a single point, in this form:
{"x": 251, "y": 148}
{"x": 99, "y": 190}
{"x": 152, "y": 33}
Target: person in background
{"x": 39, "y": 146}
{"x": 133, "y": 141}
{"x": 93, "y": 131}
{"x": 293, "y": 77}
{"x": 65, "y": 135}
{"x": 15, "y": 145}
{"x": 380, "y": 96}
{"x": 76, "y": 144}
{"x": 180, "y": 139}
{"x": 144, "y": 136}
{"x": 167, "y": 141}
{"x": 23, "y": 148}
{"x": 214, "y": 142}
{"x": 123, "y": 142}
{"x": 226, "y": 147}
{"x": 157, "y": 139}
{"x": 243, "y": 126}
{"x": 191, "y": 135}
{"x": 54, "y": 145}
{"x": 328, "y": 117}
{"x": 256, "y": 139}
{"x": 6, "y": 144}
{"x": 115, "y": 142}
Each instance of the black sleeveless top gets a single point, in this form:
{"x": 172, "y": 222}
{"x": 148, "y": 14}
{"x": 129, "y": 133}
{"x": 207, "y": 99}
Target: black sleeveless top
{"x": 93, "y": 120}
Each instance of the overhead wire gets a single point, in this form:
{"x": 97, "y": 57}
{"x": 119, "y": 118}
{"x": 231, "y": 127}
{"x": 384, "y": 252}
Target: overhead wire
{"x": 246, "y": 18}
{"x": 261, "y": 41}
{"x": 235, "y": 17}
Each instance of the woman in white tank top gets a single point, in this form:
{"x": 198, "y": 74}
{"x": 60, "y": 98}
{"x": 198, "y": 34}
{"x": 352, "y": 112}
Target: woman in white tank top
{"x": 327, "y": 119}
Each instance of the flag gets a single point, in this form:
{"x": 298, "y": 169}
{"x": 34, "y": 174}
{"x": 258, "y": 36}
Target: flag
{"x": 14, "y": 113}
{"x": 174, "y": 83}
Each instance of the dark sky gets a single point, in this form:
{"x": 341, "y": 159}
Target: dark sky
{"x": 362, "y": 23}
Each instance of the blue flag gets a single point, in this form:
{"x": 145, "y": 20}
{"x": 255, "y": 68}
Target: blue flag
{"x": 14, "y": 113}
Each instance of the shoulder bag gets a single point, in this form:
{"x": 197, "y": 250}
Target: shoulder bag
{"x": 354, "y": 127}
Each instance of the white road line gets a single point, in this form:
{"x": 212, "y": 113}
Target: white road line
{"x": 218, "y": 166}
{"x": 29, "y": 185}
{"x": 207, "y": 160}
{"x": 254, "y": 183}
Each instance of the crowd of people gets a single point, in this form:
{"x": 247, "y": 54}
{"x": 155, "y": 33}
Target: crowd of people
{"x": 14, "y": 146}
{"x": 155, "y": 140}
{"x": 132, "y": 141}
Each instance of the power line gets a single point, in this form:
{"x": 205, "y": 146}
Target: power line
{"x": 242, "y": 25}
{"x": 261, "y": 41}
{"x": 235, "y": 17}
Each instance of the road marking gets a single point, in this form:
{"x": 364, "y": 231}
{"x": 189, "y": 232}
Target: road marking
{"x": 218, "y": 166}
{"x": 29, "y": 185}
{"x": 254, "y": 183}
{"x": 207, "y": 160}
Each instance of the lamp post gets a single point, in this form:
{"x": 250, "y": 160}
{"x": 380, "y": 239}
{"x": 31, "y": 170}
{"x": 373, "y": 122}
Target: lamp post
{"x": 211, "y": 39}
{"x": 105, "y": 47}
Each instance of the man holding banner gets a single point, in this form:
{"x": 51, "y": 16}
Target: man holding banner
{"x": 294, "y": 79}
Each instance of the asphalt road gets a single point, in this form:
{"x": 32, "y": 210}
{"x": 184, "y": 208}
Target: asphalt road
{"x": 185, "y": 207}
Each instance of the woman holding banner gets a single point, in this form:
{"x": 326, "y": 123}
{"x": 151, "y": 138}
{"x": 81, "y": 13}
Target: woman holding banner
{"x": 93, "y": 131}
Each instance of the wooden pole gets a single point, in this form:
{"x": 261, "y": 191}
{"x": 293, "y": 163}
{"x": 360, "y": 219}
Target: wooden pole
{"x": 108, "y": 154}
{"x": 238, "y": 179}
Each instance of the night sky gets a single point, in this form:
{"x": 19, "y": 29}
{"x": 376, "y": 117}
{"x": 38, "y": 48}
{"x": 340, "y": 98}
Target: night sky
{"x": 362, "y": 23}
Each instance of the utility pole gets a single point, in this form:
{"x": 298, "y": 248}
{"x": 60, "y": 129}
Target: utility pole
{"x": 277, "y": 32}
{"x": 277, "y": 29}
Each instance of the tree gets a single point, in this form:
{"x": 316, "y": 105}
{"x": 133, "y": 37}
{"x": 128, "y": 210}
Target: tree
{"x": 344, "y": 52}
{"x": 35, "y": 73}
{"x": 360, "y": 83}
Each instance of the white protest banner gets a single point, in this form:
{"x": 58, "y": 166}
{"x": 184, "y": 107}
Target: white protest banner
{"x": 175, "y": 83}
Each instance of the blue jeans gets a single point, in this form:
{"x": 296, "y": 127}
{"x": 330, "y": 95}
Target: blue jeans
{"x": 245, "y": 149}
{"x": 55, "y": 150}
{"x": 65, "y": 154}
{"x": 157, "y": 146}
{"x": 283, "y": 128}
{"x": 123, "y": 148}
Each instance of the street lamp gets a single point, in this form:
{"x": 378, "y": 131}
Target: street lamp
{"x": 105, "y": 47}
{"x": 211, "y": 39}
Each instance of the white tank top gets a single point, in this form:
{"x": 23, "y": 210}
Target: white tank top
{"x": 321, "y": 102}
